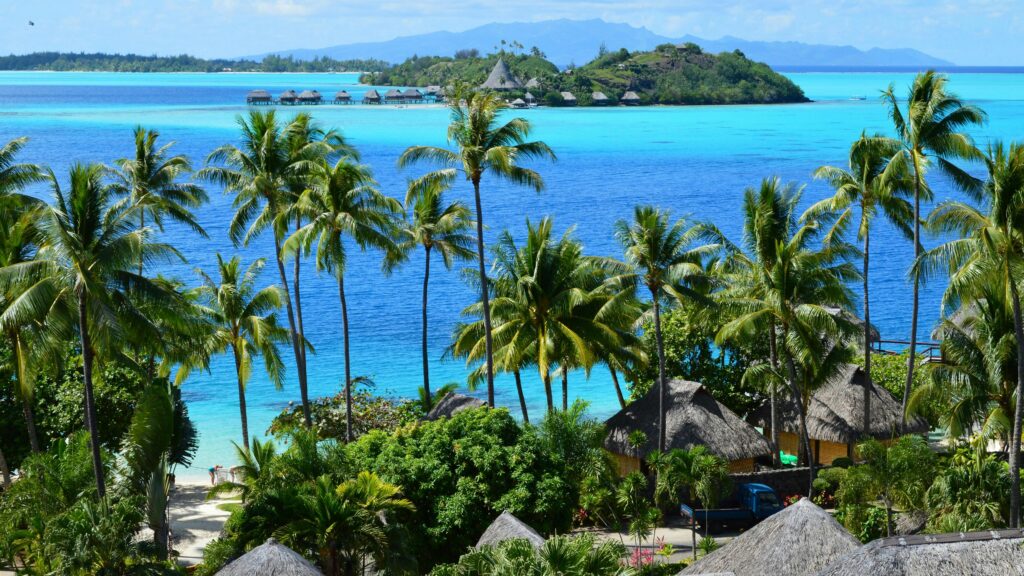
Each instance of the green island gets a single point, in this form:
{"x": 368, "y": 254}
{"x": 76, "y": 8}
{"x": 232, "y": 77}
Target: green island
{"x": 100, "y": 62}
{"x": 669, "y": 74}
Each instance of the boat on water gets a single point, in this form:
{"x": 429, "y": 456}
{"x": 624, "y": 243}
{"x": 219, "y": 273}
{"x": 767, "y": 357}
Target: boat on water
{"x": 858, "y": 97}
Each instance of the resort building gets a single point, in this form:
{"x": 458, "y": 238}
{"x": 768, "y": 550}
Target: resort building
{"x": 453, "y": 403}
{"x": 393, "y": 96}
{"x": 798, "y": 541}
{"x": 693, "y": 418}
{"x": 518, "y": 103}
{"x": 309, "y": 97}
{"x": 532, "y": 83}
{"x": 835, "y": 417}
{"x": 989, "y": 553}
{"x": 342, "y": 97}
{"x": 568, "y": 99}
{"x": 630, "y": 99}
{"x": 288, "y": 97}
{"x": 599, "y": 99}
{"x": 372, "y": 97}
{"x": 508, "y": 527}
{"x": 501, "y": 78}
{"x": 412, "y": 95}
{"x": 530, "y": 99}
{"x": 270, "y": 559}
{"x": 259, "y": 97}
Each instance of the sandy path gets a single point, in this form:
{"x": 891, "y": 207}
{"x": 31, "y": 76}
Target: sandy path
{"x": 194, "y": 521}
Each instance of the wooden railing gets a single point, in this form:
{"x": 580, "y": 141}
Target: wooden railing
{"x": 927, "y": 351}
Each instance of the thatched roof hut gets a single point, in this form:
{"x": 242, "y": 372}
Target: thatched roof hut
{"x": 393, "y": 95}
{"x": 630, "y": 98}
{"x": 288, "y": 97}
{"x": 453, "y": 403}
{"x": 371, "y": 97}
{"x": 342, "y": 96}
{"x": 991, "y": 553}
{"x": 258, "y": 97}
{"x": 798, "y": 541}
{"x": 836, "y": 414}
{"x": 310, "y": 97}
{"x": 693, "y": 418}
{"x": 412, "y": 94}
{"x": 568, "y": 98}
{"x": 530, "y": 98}
{"x": 501, "y": 78}
{"x": 519, "y": 103}
{"x": 599, "y": 98}
{"x": 533, "y": 83}
{"x": 508, "y": 527}
{"x": 270, "y": 559}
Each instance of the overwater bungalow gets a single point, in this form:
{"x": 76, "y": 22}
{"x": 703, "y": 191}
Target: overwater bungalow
{"x": 693, "y": 418}
{"x": 798, "y": 541}
{"x": 501, "y": 78}
{"x": 568, "y": 99}
{"x": 270, "y": 559}
{"x": 393, "y": 96}
{"x": 452, "y": 404}
{"x": 630, "y": 99}
{"x": 413, "y": 95}
{"x": 519, "y": 103}
{"x": 507, "y": 527}
{"x": 599, "y": 99}
{"x": 371, "y": 97}
{"x": 835, "y": 417}
{"x": 288, "y": 97}
{"x": 310, "y": 97}
{"x": 988, "y": 553}
{"x": 257, "y": 97}
{"x": 342, "y": 97}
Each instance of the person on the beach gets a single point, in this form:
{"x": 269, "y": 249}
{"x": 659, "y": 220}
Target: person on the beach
{"x": 213, "y": 474}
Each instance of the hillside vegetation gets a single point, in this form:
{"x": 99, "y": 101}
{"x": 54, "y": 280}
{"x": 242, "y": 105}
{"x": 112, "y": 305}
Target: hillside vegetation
{"x": 667, "y": 75}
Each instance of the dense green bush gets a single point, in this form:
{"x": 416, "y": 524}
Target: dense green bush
{"x": 369, "y": 412}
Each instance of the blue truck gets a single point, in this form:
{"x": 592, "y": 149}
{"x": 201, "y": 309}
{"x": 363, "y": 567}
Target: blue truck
{"x": 749, "y": 504}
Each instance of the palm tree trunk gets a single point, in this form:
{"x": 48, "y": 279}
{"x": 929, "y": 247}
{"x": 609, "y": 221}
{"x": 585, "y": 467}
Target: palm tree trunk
{"x": 522, "y": 397}
{"x": 303, "y": 388}
{"x": 867, "y": 345}
{"x": 565, "y": 389}
{"x": 484, "y": 297}
{"x": 917, "y": 286}
{"x": 30, "y": 424}
{"x": 773, "y": 400}
{"x": 241, "y": 400}
{"x": 142, "y": 224}
{"x": 426, "y": 362}
{"x": 803, "y": 424}
{"x": 618, "y": 388}
{"x": 90, "y": 404}
{"x": 661, "y": 372}
{"x": 4, "y": 470}
{"x": 26, "y": 400}
{"x": 1018, "y": 414}
{"x": 296, "y": 344}
{"x": 548, "y": 392}
{"x": 348, "y": 365}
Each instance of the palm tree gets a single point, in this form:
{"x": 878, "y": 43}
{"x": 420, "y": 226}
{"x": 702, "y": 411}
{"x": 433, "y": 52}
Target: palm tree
{"x": 990, "y": 246}
{"x": 929, "y": 134}
{"x": 440, "y": 226}
{"x": 664, "y": 258}
{"x": 90, "y": 246}
{"x": 341, "y": 203}
{"x": 245, "y": 322}
{"x": 485, "y": 146}
{"x": 866, "y": 186}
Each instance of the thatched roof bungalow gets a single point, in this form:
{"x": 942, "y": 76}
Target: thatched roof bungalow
{"x": 798, "y": 541}
{"x": 693, "y": 418}
{"x": 599, "y": 99}
{"x": 630, "y": 99}
{"x": 412, "y": 95}
{"x": 508, "y": 527}
{"x": 533, "y": 83}
{"x": 530, "y": 98}
{"x": 519, "y": 103}
{"x": 310, "y": 97}
{"x": 393, "y": 96}
{"x": 501, "y": 78}
{"x": 835, "y": 417}
{"x": 990, "y": 553}
{"x": 288, "y": 97}
{"x": 258, "y": 97}
{"x": 568, "y": 99}
{"x": 371, "y": 97}
{"x": 453, "y": 403}
{"x": 270, "y": 559}
{"x": 342, "y": 97}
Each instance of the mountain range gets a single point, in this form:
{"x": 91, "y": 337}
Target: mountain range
{"x": 568, "y": 42}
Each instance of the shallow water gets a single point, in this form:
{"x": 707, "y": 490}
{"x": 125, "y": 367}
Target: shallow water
{"x": 693, "y": 160}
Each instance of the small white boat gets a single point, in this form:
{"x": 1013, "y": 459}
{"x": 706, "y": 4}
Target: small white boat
{"x": 858, "y": 97}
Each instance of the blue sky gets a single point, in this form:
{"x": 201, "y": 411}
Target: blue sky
{"x": 978, "y": 32}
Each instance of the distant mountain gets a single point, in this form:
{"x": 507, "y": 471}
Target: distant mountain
{"x": 578, "y": 41}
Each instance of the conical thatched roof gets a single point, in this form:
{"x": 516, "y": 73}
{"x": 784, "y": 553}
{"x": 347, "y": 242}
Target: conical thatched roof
{"x": 393, "y": 93}
{"x": 309, "y": 95}
{"x": 412, "y": 93}
{"x": 598, "y": 97}
{"x": 508, "y": 527}
{"x": 371, "y": 95}
{"x": 692, "y": 418}
{"x": 568, "y": 97}
{"x": 798, "y": 541}
{"x": 501, "y": 78}
{"x": 630, "y": 96}
{"x": 533, "y": 83}
{"x": 993, "y": 553}
{"x": 342, "y": 95}
{"x": 288, "y": 95}
{"x": 453, "y": 403}
{"x": 270, "y": 559}
{"x": 518, "y": 103}
{"x": 836, "y": 412}
{"x": 529, "y": 97}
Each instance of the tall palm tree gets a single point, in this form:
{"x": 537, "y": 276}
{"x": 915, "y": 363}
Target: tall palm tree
{"x": 342, "y": 202}
{"x": 990, "y": 246}
{"x": 246, "y": 323}
{"x": 484, "y": 146}
{"x": 435, "y": 225}
{"x": 866, "y": 187}
{"x": 664, "y": 258}
{"x": 929, "y": 133}
{"x": 90, "y": 247}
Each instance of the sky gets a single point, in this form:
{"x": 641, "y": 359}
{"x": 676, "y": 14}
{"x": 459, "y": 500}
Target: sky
{"x": 967, "y": 32}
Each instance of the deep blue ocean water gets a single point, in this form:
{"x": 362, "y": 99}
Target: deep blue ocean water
{"x": 693, "y": 160}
